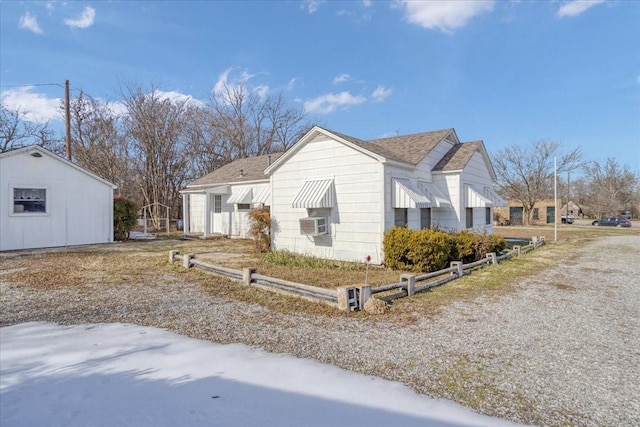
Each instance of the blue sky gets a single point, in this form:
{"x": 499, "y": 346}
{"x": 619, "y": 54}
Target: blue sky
{"x": 506, "y": 72}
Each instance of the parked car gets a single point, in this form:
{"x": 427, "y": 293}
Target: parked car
{"x": 613, "y": 222}
{"x": 564, "y": 220}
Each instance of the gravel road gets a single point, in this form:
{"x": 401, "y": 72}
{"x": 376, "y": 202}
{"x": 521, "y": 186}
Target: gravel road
{"x": 563, "y": 349}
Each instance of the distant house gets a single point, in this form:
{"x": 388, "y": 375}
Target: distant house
{"x": 47, "y": 201}
{"x": 334, "y": 196}
{"x": 543, "y": 212}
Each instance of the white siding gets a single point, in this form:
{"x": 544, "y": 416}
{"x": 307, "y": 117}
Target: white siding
{"x": 355, "y": 220}
{"x": 79, "y": 206}
{"x": 196, "y": 213}
{"x": 477, "y": 174}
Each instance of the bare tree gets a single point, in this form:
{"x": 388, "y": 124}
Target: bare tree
{"x": 155, "y": 127}
{"x": 98, "y": 143}
{"x": 16, "y": 131}
{"x": 239, "y": 123}
{"x": 525, "y": 173}
{"x": 611, "y": 188}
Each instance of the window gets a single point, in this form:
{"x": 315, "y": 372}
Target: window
{"x": 217, "y": 203}
{"x": 400, "y": 218}
{"x": 469, "y": 217}
{"x": 488, "y": 216}
{"x": 244, "y": 206}
{"x": 29, "y": 200}
{"x": 536, "y": 214}
{"x": 425, "y": 218}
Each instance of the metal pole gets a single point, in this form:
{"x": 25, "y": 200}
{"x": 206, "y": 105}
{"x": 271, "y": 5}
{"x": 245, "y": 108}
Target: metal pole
{"x": 67, "y": 119}
{"x": 555, "y": 199}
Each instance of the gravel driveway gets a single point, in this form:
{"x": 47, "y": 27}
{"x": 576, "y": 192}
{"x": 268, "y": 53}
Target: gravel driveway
{"x": 560, "y": 350}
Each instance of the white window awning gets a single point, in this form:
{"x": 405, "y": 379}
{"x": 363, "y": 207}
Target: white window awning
{"x": 406, "y": 195}
{"x": 495, "y": 198}
{"x": 262, "y": 196}
{"x": 475, "y": 199}
{"x": 240, "y": 195}
{"x": 438, "y": 200}
{"x": 315, "y": 194}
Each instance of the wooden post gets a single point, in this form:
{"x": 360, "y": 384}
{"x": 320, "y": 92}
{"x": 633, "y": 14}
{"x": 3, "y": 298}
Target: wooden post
{"x": 493, "y": 259}
{"x": 458, "y": 265}
{"x": 246, "y": 275}
{"x": 410, "y": 280}
{"x": 516, "y": 248}
{"x": 172, "y": 255}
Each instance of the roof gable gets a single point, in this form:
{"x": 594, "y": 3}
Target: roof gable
{"x": 240, "y": 170}
{"x": 44, "y": 152}
{"x": 411, "y": 148}
{"x": 460, "y": 155}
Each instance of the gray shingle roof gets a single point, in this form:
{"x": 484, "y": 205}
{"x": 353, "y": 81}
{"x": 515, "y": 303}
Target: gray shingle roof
{"x": 252, "y": 169}
{"x": 458, "y": 156}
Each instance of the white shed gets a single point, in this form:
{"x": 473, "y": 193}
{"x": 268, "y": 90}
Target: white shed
{"x": 47, "y": 201}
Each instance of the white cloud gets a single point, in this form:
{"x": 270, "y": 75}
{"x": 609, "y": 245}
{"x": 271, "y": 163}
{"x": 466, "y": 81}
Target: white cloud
{"x": 381, "y": 93}
{"x": 576, "y": 7}
{"x": 262, "y": 91}
{"x": 29, "y": 22}
{"x": 230, "y": 84}
{"x": 328, "y": 103}
{"x": 442, "y": 15}
{"x": 341, "y": 78}
{"x": 312, "y": 6}
{"x": 85, "y": 19}
{"x": 174, "y": 96}
{"x": 37, "y": 107}
{"x": 367, "y": 3}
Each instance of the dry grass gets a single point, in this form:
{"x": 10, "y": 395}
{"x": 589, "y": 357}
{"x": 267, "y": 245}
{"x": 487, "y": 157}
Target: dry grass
{"x": 146, "y": 262}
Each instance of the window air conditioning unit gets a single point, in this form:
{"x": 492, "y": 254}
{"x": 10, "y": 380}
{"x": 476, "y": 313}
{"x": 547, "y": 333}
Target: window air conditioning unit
{"x": 313, "y": 226}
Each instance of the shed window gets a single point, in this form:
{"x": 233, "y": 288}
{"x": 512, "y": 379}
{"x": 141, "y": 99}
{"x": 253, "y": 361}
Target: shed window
{"x": 217, "y": 203}
{"x": 29, "y": 200}
{"x": 244, "y": 206}
{"x": 488, "y": 216}
{"x": 536, "y": 214}
{"x": 469, "y": 217}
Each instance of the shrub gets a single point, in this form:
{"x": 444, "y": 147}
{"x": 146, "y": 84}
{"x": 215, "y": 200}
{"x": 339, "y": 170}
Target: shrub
{"x": 429, "y": 250}
{"x": 396, "y": 248}
{"x": 124, "y": 218}
{"x": 260, "y": 230}
{"x": 470, "y": 247}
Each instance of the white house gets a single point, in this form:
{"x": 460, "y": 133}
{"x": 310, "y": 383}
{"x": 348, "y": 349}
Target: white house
{"x": 47, "y": 201}
{"x": 334, "y": 196}
{"x": 219, "y": 203}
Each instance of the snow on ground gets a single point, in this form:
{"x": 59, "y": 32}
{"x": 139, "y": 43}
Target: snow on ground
{"x": 122, "y": 374}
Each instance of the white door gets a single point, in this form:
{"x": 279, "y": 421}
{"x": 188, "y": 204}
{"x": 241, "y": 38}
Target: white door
{"x": 217, "y": 219}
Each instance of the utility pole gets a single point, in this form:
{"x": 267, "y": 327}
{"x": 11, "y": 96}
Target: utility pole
{"x": 67, "y": 119}
{"x": 568, "y": 185}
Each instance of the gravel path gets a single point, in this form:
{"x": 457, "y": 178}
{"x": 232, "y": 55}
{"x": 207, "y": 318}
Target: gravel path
{"x": 561, "y": 350}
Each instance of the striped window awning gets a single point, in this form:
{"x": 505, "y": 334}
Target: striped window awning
{"x": 475, "y": 199}
{"x": 433, "y": 193}
{"x": 262, "y": 196}
{"x": 407, "y": 195}
{"x": 240, "y": 195}
{"x": 495, "y": 198}
{"x": 315, "y": 194}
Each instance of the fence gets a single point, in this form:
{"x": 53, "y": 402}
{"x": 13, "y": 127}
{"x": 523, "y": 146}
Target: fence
{"x": 353, "y": 297}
